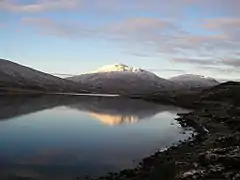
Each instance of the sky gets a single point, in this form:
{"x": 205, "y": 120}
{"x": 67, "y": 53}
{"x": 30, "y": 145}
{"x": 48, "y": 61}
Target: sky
{"x": 166, "y": 37}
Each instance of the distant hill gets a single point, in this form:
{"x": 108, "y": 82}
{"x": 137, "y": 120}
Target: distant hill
{"x": 193, "y": 81}
{"x": 225, "y": 92}
{"x": 17, "y": 77}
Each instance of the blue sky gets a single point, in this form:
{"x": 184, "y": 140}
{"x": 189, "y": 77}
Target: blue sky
{"x": 168, "y": 37}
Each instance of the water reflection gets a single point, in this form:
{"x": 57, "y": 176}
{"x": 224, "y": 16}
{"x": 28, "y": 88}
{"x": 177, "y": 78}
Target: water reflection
{"x": 116, "y": 111}
{"x": 61, "y": 137}
{"x": 109, "y": 110}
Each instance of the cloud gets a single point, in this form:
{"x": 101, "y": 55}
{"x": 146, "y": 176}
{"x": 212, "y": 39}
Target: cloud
{"x": 39, "y": 5}
{"x": 56, "y": 28}
{"x": 153, "y": 36}
{"x": 210, "y": 63}
{"x": 130, "y": 28}
{"x": 222, "y": 23}
{"x": 219, "y": 69}
{"x": 170, "y": 7}
{"x": 228, "y": 7}
{"x": 202, "y": 62}
{"x": 230, "y": 27}
{"x": 231, "y": 62}
{"x": 168, "y": 70}
{"x": 96, "y": 5}
{"x": 139, "y": 24}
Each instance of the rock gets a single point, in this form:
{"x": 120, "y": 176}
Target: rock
{"x": 231, "y": 161}
{"x": 208, "y": 158}
{"x": 237, "y": 177}
{"x": 193, "y": 174}
{"x": 216, "y": 168}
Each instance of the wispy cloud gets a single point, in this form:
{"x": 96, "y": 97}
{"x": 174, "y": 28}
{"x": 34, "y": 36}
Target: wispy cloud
{"x": 168, "y": 70}
{"x": 57, "y": 28}
{"x": 222, "y": 23}
{"x": 211, "y": 63}
{"x": 39, "y": 5}
{"x": 230, "y": 7}
{"x": 95, "y": 5}
{"x": 203, "y": 62}
{"x": 160, "y": 36}
{"x": 220, "y": 69}
{"x": 232, "y": 62}
{"x": 145, "y": 29}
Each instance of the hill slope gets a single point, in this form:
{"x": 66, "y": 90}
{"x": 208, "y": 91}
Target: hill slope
{"x": 15, "y": 76}
{"x": 228, "y": 91}
{"x": 193, "y": 81}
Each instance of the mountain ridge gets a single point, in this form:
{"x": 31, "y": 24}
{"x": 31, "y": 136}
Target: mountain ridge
{"x": 111, "y": 79}
{"x": 123, "y": 79}
{"x": 16, "y": 76}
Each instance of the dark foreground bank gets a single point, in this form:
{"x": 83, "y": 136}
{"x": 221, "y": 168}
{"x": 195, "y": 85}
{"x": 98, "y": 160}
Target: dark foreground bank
{"x": 213, "y": 153}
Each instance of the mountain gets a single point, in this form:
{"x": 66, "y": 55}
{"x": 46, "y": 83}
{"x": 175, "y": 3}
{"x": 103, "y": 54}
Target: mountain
{"x": 14, "y": 77}
{"x": 193, "y": 81}
{"x": 122, "y": 79}
{"x": 114, "y": 79}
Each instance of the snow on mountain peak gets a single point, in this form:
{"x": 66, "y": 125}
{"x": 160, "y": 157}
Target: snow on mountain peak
{"x": 120, "y": 67}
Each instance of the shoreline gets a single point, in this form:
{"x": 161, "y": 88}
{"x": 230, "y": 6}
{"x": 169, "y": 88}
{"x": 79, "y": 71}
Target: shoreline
{"x": 212, "y": 154}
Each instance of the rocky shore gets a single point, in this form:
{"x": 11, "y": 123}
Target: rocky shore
{"x": 212, "y": 153}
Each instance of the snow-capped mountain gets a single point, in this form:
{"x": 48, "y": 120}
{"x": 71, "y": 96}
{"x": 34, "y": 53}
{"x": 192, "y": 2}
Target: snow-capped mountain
{"x": 193, "y": 81}
{"x": 13, "y": 75}
{"x": 122, "y": 79}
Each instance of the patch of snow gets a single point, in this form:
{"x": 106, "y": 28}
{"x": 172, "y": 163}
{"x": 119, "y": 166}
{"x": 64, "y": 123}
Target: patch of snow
{"x": 117, "y": 67}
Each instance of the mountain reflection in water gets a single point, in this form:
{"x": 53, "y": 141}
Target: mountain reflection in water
{"x": 62, "y": 137}
{"x": 109, "y": 110}
{"x": 115, "y": 111}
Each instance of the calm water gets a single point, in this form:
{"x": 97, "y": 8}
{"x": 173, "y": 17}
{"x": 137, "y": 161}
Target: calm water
{"x": 59, "y": 137}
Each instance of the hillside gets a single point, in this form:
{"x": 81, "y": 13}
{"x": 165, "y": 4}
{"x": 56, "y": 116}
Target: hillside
{"x": 17, "y": 77}
{"x": 225, "y": 92}
{"x": 193, "y": 81}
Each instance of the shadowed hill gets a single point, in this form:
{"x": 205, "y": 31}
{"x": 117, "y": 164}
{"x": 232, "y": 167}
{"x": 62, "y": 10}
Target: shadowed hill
{"x": 193, "y": 98}
{"x": 228, "y": 91}
{"x": 17, "y": 77}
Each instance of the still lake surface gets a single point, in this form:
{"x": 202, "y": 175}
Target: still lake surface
{"x": 62, "y": 137}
